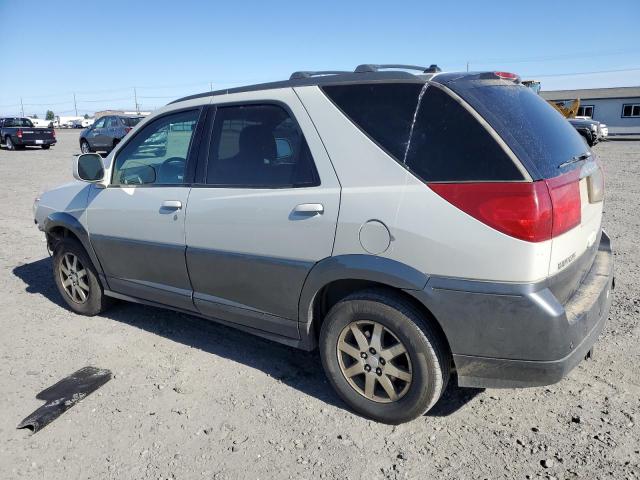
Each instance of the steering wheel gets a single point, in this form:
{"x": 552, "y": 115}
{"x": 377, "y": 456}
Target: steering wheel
{"x": 173, "y": 162}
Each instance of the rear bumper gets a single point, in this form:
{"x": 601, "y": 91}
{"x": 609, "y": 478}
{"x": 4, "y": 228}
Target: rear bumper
{"x": 505, "y": 335}
{"x": 34, "y": 143}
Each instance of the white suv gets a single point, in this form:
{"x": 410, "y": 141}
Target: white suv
{"x": 416, "y": 228}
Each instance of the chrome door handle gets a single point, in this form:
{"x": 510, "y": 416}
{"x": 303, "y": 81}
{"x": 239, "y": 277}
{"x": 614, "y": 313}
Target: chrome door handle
{"x": 309, "y": 208}
{"x": 172, "y": 205}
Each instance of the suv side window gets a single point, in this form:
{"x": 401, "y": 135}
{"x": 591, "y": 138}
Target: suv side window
{"x": 99, "y": 123}
{"x": 259, "y": 146}
{"x": 446, "y": 144}
{"x": 113, "y": 122}
{"x": 158, "y": 153}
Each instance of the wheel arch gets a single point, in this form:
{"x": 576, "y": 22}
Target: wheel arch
{"x": 60, "y": 225}
{"x": 334, "y": 278}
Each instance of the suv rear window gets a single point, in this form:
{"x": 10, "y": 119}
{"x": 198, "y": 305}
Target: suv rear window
{"x": 447, "y": 143}
{"x": 539, "y": 136}
{"x": 130, "y": 121}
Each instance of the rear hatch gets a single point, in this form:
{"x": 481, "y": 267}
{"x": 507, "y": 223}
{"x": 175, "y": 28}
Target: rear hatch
{"x": 553, "y": 153}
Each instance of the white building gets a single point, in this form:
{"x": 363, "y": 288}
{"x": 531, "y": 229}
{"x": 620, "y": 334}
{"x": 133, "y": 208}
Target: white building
{"x": 618, "y": 107}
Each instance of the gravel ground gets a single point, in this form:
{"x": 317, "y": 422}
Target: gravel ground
{"x": 192, "y": 399}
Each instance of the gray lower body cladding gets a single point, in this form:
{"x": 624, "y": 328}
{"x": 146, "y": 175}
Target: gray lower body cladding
{"x": 516, "y": 335}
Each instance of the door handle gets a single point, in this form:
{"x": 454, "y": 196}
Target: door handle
{"x": 309, "y": 208}
{"x": 172, "y": 205}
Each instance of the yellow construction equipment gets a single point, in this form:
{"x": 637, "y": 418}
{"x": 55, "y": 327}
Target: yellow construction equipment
{"x": 568, "y": 111}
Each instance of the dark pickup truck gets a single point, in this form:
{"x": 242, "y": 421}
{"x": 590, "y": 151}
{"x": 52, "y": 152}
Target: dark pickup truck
{"x": 17, "y": 132}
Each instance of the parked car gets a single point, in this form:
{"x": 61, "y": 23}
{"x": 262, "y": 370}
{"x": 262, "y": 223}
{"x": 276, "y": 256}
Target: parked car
{"x": 18, "y": 132}
{"x": 603, "y": 129}
{"x": 106, "y": 132}
{"x": 417, "y": 229}
{"x": 589, "y": 129}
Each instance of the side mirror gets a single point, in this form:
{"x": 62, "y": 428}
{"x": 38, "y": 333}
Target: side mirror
{"x": 88, "y": 168}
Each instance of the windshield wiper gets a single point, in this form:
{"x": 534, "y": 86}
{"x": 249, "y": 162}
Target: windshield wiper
{"x": 576, "y": 158}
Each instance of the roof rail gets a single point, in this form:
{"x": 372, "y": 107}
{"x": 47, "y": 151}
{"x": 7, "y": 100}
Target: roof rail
{"x": 304, "y": 74}
{"x": 365, "y": 68}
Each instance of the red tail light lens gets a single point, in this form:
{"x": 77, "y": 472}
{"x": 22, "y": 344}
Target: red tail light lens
{"x": 127, "y": 130}
{"x": 53, "y": 133}
{"x": 565, "y": 197}
{"x": 506, "y": 75}
{"x": 19, "y": 133}
{"x": 530, "y": 211}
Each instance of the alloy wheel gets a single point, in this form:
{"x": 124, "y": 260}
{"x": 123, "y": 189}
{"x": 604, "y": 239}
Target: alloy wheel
{"x": 74, "y": 279}
{"x": 84, "y": 147}
{"x": 374, "y": 361}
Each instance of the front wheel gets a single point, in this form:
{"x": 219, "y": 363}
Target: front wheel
{"x": 383, "y": 358}
{"x": 84, "y": 147}
{"x": 77, "y": 279}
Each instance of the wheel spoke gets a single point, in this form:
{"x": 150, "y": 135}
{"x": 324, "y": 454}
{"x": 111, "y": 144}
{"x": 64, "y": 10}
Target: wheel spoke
{"x": 396, "y": 372}
{"x": 363, "y": 345}
{"x": 349, "y": 350}
{"x": 84, "y": 285}
{"x": 67, "y": 282}
{"x": 393, "y": 352}
{"x": 74, "y": 266}
{"x": 369, "y": 386}
{"x": 63, "y": 267}
{"x": 354, "y": 370}
{"x": 81, "y": 294}
{"x": 385, "y": 381}
{"x": 376, "y": 337}
{"x": 81, "y": 273}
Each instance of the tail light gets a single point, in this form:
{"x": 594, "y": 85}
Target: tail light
{"x": 530, "y": 211}
{"x": 19, "y": 133}
{"x": 127, "y": 130}
{"x": 53, "y": 133}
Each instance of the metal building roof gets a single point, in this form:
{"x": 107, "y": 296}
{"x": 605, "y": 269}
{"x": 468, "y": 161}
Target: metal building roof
{"x": 592, "y": 93}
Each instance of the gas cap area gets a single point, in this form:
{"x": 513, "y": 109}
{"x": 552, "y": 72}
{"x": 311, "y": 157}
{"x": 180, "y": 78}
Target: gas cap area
{"x": 375, "y": 237}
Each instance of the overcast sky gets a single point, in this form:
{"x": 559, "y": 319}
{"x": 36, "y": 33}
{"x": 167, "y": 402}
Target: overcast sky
{"x": 102, "y": 50}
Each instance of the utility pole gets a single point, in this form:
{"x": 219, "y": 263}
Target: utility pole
{"x": 21, "y": 108}
{"x": 135, "y": 97}
{"x": 467, "y": 65}
{"x": 75, "y": 105}
{"x": 211, "y": 86}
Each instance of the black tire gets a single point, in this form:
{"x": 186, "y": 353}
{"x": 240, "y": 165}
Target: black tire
{"x": 46, "y": 147}
{"x": 9, "y": 143}
{"x": 96, "y": 301}
{"x": 427, "y": 351}
{"x": 85, "y": 147}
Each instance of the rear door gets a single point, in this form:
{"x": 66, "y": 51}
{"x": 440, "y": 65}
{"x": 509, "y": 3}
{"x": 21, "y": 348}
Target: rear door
{"x": 262, "y": 213}
{"x": 137, "y": 222}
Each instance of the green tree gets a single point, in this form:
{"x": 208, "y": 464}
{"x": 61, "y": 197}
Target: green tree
{"x": 50, "y": 115}
{"x": 86, "y": 115}
{"x": 34, "y": 115}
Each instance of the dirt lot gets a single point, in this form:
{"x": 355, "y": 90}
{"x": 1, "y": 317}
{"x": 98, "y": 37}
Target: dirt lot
{"x": 192, "y": 399}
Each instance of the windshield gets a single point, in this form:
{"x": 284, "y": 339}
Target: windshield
{"x": 131, "y": 121}
{"x": 540, "y": 136}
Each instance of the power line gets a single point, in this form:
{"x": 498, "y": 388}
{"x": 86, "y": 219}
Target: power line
{"x": 595, "y": 72}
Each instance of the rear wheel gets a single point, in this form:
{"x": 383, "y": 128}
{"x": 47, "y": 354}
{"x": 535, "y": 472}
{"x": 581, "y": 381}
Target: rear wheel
{"x": 84, "y": 147}
{"x": 77, "y": 279}
{"x": 382, "y": 357}
{"x": 9, "y": 144}
{"x": 46, "y": 147}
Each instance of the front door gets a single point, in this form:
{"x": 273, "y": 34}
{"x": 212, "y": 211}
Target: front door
{"x": 263, "y": 214}
{"x": 137, "y": 222}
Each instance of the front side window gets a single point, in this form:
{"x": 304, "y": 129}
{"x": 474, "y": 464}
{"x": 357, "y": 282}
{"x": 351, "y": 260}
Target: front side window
{"x": 100, "y": 123}
{"x": 258, "y": 146}
{"x": 158, "y": 153}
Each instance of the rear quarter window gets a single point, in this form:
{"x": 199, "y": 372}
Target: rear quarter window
{"x": 539, "y": 136}
{"x": 446, "y": 144}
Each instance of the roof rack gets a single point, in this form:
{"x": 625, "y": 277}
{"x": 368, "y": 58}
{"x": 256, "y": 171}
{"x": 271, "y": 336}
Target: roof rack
{"x": 304, "y": 74}
{"x": 366, "y": 68}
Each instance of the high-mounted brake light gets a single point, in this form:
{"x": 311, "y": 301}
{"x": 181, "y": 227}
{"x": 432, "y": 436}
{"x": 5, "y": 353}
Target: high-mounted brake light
{"x": 19, "y": 133}
{"x": 530, "y": 211}
{"x": 506, "y": 75}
